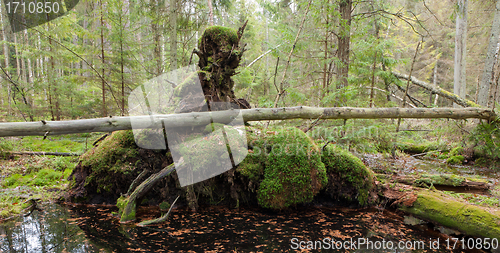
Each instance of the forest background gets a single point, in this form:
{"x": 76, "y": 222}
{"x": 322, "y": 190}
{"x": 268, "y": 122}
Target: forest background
{"x": 317, "y": 53}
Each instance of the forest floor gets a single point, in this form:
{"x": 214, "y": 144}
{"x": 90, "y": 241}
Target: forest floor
{"x": 42, "y": 178}
{"x": 428, "y": 160}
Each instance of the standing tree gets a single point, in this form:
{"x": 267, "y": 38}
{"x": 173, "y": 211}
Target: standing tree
{"x": 487, "y": 77}
{"x": 459, "y": 82}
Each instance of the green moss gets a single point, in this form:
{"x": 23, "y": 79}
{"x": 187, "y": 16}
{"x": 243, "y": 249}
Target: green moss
{"x": 113, "y": 155}
{"x": 442, "y": 179}
{"x": 183, "y": 89}
{"x": 224, "y": 37}
{"x": 210, "y": 146}
{"x": 164, "y": 205}
{"x": 350, "y": 172}
{"x": 473, "y": 220}
{"x": 416, "y": 148}
{"x": 456, "y": 159}
{"x": 457, "y": 151}
{"x": 213, "y": 127}
{"x": 289, "y": 165}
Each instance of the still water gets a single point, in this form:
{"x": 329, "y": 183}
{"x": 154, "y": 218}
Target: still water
{"x": 66, "y": 228}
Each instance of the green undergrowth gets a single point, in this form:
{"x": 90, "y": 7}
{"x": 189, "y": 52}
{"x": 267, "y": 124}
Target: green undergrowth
{"x": 348, "y": 177}
{"x": 45, "y": 184}
{"x": 288, "y": 163}
{"x": 457, "y": 214}
{"x": 71, "y": 143}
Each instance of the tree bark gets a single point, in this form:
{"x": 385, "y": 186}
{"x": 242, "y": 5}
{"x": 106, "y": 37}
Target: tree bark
{"x": 103, "y": 82}
{"x": 459, "y": 78}
{"x": 128, "y": 213}
{"x": 173, "y": 35}
{"x": 487, "y": 77}
{"x": 344, "y": 37}
{"x": 108, "y": 124}
{"x": 437, "y": 90}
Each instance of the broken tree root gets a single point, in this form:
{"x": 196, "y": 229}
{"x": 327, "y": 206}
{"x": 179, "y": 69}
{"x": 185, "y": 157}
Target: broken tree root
{"x": 161, "y": 219}
{"x": 128, "y": 213}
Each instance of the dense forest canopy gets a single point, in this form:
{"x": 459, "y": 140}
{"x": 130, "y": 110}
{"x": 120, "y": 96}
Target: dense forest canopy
{"x": 317, "y": 53}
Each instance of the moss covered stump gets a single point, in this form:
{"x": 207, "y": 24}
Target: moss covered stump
{"x": 220, "y": 55}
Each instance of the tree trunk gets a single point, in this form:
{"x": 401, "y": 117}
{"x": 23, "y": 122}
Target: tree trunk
{"x": 437, "y": 90}
{"x": 210, "y": 13}
{"x": 109, "y": 124}
{"x": 344, "y": 37}
{"x": 5, "y": 28}
{"x": 173, "y": 35}
{"x": 459, "y": 78}
{"x": 487, "y": 77}
{"x": 220, "y": 55}
{"x": 103, "y": 82}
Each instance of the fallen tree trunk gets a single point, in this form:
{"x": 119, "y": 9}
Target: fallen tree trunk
{"x": 447, "y": 211}
{"x": 437, "y": 90}
{"x": 42, "y": 153}
{"x": 45, "y": 128}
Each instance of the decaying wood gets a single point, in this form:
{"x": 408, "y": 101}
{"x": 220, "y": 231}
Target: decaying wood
{"x": 110, "y": 124}
{"x": 128, "y": 213}
{"x": 463, "y": 184}
{"x": 437, "y": 90}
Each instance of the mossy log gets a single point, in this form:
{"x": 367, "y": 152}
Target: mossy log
{"x": 470, "y": 219}
{"x": 110, "y": 124}
{"x": 438, "y": 90}
{"x": 458, "y": 182}
{"x": 128, "y": 204}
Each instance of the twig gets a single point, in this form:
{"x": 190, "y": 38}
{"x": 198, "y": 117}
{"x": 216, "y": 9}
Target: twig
{"x": 262, "y": 55}
{"x": 313, "y": 124}
{"x": 408, "y": 82}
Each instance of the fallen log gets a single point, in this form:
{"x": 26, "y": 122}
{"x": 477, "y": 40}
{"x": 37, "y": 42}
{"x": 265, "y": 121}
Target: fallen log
{"x": 438, "y": 90}
{"x": 109, "y": 124}
{"x": 450, "y": 212}
{"x": 42, "y": 153}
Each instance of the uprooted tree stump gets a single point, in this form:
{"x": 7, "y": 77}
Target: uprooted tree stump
{"x": 220, "y": 55}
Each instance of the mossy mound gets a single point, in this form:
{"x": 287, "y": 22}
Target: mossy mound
{"x": 288, "y": 163}
{"x": 471, "y": 219}
{"x": 348, "y": 178}
{"x": 106, "y": 171}
{"x": 218, "y": 37}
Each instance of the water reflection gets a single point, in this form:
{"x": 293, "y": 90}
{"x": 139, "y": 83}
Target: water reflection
{"x": 216, "y": 229}
{"x": 49, "y": 231}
